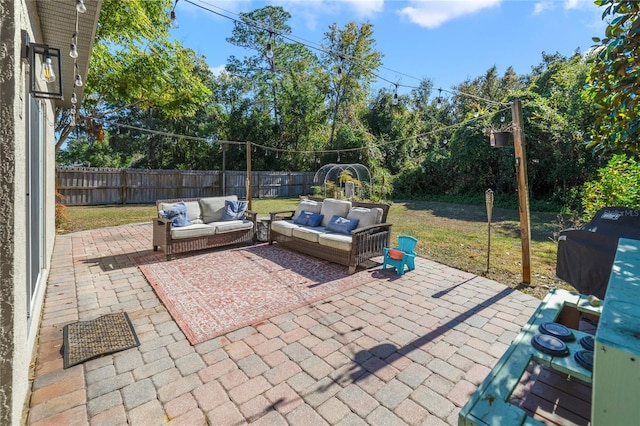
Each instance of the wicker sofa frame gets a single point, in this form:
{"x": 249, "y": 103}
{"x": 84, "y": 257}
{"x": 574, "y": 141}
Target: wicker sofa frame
{"x": 162, "y": 234}
{"x": 366, "y": 242}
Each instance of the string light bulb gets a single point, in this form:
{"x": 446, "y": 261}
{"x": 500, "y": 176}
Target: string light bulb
{"x": 78, "y": 81}
{"x": 339, "y": 74}
{"x": 394, "y": 101}
{"x": 80, "y": 7}
{"x": 74, "y": 98}
{"x": 269, "y": 51}
{"x": 439, "y": 100}
{"x": 46, "y": 73}
{"x": 73, "y": 51}
{"x": 173, "y": 21}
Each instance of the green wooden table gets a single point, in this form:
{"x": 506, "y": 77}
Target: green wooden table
{"x": 490, "y": 405}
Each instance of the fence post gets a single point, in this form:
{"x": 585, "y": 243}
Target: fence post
{"x": 124, "y": 187}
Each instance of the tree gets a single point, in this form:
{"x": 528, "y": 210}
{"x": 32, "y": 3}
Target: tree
{"x": 613, "y": 79}
{"x": 133, "y": 63}
{"x": 617, "y": 184}
{"x": 350, "y": 59}
{"x": 282, "y": 91}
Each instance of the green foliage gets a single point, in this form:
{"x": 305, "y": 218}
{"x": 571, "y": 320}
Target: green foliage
{"x": 62, "y": 216}
{"x": 301, "y": 115}
{"x": 613, "y": 79}
{"x": 92, "y": 154}
{"x": 617, "y": 184}
{"x": 133, "y": 63}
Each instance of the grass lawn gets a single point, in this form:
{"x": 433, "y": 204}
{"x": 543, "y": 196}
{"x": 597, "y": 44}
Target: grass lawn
{"x": 453, "y": 234}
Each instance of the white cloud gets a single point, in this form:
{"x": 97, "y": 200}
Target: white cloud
{"x": 218, "y": 70}
{"x": 433, "y": 13}
{"x": 365, "y": 8}
{"x": 312, "y": 10}
{"x": 541, "y": 6}
{"x": 571, "y": 4}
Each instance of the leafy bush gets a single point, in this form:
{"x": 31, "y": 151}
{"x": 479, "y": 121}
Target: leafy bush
{"x": 62, "y": 218}
{"x": 618, "y": 184}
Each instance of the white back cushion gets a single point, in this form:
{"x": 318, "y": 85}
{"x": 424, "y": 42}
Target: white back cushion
{"x": 213, "y": 207}
{"x": 365, "y": 216}
{"x": 332, "y": 207}
{"x": 307, "y": 206}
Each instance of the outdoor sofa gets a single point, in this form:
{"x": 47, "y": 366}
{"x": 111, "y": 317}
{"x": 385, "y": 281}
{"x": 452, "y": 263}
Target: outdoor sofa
{"x": 210, "y": 222}
{"x": 323, "y": 228}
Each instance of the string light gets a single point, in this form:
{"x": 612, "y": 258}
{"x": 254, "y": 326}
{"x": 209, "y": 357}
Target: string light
{"x": 245, "y": 20}
{"x": 74, "y": 97}
{"x": 269, "y": 52}
{"x": 394, "y": 101}
{"x": 73, "y": 50}
{"x": 269, "y": 149}
{"x": 172, "y": 16}
{"x": 80, "y": 7}
{"x": 78, "y": 81}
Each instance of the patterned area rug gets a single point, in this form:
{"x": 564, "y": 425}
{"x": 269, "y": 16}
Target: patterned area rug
{"x": 212, "y": 293}
{"x": 85, "y": 340}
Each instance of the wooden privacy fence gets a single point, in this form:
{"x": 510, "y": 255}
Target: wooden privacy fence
{"x": 84, "y": 186}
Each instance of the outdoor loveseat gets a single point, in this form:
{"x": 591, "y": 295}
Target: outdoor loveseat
{"x": 210, "y": 222}
{"x": 341, "y": 231}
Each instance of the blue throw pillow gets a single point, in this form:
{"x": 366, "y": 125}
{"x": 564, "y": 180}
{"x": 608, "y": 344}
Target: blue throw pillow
{"x": 234, "y": 210}
{"x": 315, "y": 219}
{"x": 342, "y": 225}
{"x": 176, "y": 214}
{"x": 302, "y": 218}
{"x": 308, "y": 219}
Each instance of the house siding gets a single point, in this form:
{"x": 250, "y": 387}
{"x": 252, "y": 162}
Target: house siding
{"x": 18, "y": 332}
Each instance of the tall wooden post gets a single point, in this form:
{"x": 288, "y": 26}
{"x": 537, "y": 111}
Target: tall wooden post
{"x": 224, "y": 168}
{"x": 523, "y": 189}
{"x": 248, "y": 180}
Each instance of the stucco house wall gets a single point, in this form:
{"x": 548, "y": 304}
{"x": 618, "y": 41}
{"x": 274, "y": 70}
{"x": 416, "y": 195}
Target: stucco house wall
{"x": 24, "y": 162}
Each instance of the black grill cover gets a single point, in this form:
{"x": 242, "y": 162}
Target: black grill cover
{"x": 585, "y": 255}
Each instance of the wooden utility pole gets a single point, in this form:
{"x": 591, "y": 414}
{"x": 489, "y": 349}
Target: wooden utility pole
{"x": 523, "y": 189}
{"x": 247, "y": 183}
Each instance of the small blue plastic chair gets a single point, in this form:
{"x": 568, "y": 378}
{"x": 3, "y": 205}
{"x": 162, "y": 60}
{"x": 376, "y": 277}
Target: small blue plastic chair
{"x": 406, "y": 245}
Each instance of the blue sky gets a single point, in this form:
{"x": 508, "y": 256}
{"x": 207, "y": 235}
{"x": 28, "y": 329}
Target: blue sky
{"x": 447, "y": 41}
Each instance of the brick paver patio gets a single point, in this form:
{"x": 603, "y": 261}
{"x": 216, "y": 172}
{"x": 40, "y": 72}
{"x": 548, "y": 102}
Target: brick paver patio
{"x": 399, "y": 350}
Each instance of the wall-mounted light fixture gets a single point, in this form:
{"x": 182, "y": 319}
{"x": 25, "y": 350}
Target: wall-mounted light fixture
{"x": 45, "y": 68}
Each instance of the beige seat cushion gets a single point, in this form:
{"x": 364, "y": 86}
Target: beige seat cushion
{"x": 332, "y": 207}
{"x": 191, "y": 231}
{"x": 213, "y": 207}
{"x": 231, "y": 226}
{"x": 307, "y": 233}
{"x": 283, "y": 227}
{"x": 307, "y": 206}
{"x": 337, "y": 241}
{"x": 365, "y": 216}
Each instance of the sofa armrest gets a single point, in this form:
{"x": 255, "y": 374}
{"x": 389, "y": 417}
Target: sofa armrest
{"x": 281, "y": 215}
{"x": 161, "y": 232}
{"x": 251, "y": 215}
{"x": 372, "y": 229}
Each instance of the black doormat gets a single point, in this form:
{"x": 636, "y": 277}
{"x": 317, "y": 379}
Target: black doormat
{"x": 85, "y": 340}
